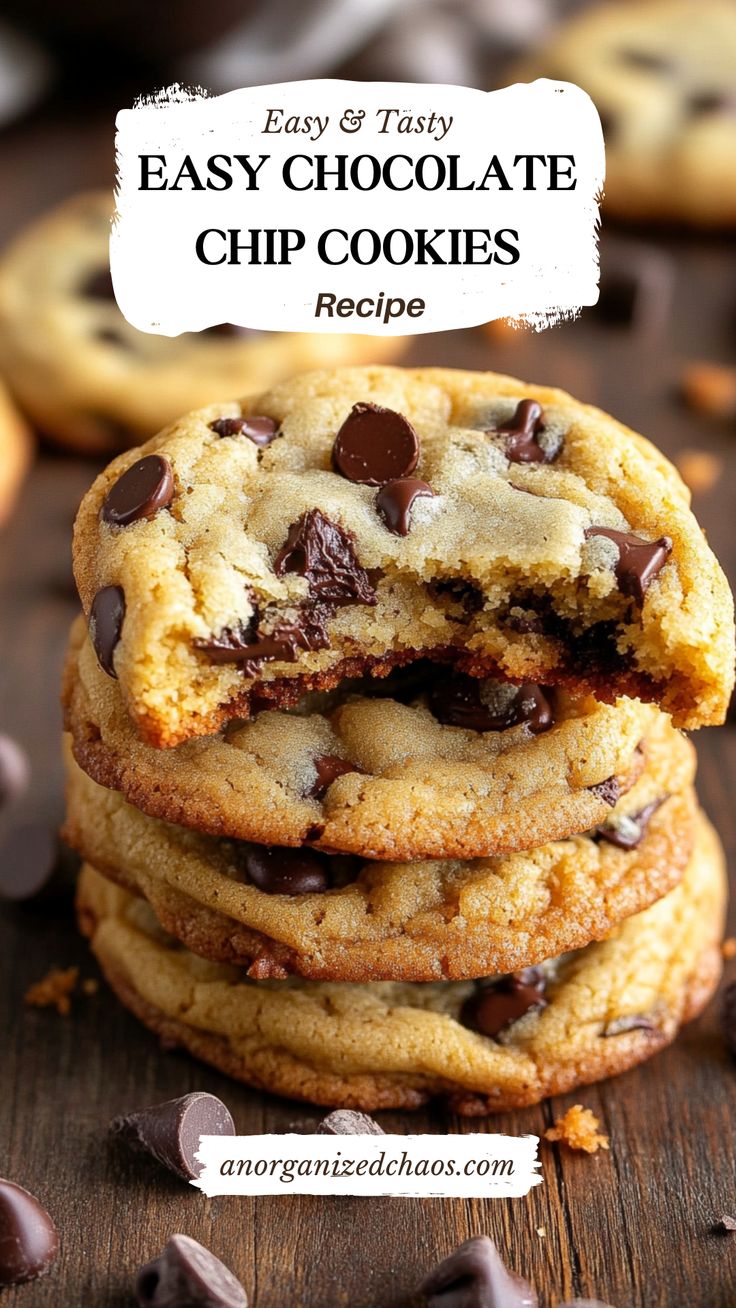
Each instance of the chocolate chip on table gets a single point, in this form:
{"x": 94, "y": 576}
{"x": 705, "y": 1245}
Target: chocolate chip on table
{"x": 631, "y": 1022}
{"x": 141, "y": 492}
{"x": 323, "y": 553}
{"x": 186, "y": 1275}
{"x": 394, "y": 502}
{"x": 497, "y": 1004}
{"x": 106, "y": 618}
{"x": 29, "y": 1241}
{"x": 29, "y": 858}
{"x": 627, "y": 832}
{"x": 475, "y": 1276}
{"x": 522, "y": 430}
{"x": 259, "y": 429}
{"x": 171, "y": 1131}
{"x": 375, "y": 446}
{"x": 98, "y": 285}
{"x": 609, "y": 791}
{"x": 639, "y": 561}
{"x": 345, "y": 1121}
{"x": 279, "y": 871}
{"x": 328, "y": 768}
{"x": 462, "y": 701}
{"x": 15, "y": 770}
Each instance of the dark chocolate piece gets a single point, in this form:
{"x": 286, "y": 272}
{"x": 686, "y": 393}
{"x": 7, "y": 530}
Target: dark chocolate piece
{"x": 328, "y": 768}
{"x": 609, "y": 791}
{"x": 497, "y": 1004}
{"x": 521, "y": 431}
{"x": 632, "y": 1022}
{"x": 259, "y": 429}
{"x": 394, "y": 502}
{"x": 344, "y": 1121}
{"x": 474, "y": 1276}
{"x": 280, "y": 871}
{"x": 106, "y": 618}
{"x": 628, "y": 832}
{"x": 141, "y": 492}
{"x": 375, "y": 446}
{"x": 171, "y": 1131}
{"x": 323, "y": 552}
{"x": 186, "y": 1275}
{"x": 29, "y": 1241}
{"x": 639, "y": 561}
{"x": 462, "y": 701}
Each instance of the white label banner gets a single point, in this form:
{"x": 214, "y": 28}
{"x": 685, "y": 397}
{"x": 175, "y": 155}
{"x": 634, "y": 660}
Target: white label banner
{"x": 475, "y": 1166}
{"x": 384, "y": 208}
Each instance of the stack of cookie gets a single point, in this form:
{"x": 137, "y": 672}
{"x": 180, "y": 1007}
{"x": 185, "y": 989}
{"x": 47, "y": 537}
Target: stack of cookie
{"x": 374, "y": 745}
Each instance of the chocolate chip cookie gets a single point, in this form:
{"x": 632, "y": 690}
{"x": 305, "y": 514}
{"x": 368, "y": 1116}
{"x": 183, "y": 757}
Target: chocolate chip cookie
{"x": 497, "y": 1044}
{"x": 278, "y": 911}
{"x": 356, "y": 520}
{"x": 88, "y": 379}
{"x": 661, "y": 74}
{"x": 396, "y": 768}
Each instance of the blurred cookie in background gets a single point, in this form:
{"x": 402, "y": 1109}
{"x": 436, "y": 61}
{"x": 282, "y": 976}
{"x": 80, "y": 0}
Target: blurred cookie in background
{"x": 662, "y": 74}
{"x": 15, "y": 453}
{"x": 89, "y": 380}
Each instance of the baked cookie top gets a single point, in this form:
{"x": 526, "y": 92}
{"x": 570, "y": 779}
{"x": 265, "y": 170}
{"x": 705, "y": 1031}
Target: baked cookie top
{"x": 89, "y": 379}
{"x": 356, "y": 519}
{"x": 372, "y": 768}
{"x": 661, "y": 74}
{"x": 279, "y": 911}
{"x": 486, "y": 1046}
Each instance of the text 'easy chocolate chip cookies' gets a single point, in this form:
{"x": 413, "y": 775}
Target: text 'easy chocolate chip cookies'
{"x": 373, "y": 739}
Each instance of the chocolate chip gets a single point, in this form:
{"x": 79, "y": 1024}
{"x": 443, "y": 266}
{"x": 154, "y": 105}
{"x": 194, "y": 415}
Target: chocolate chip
{"x": 634, "y": 1022}
{"x": 328, "y": 768}
{"x": 29, "y": 1241}
{"x": 522, "y": 431}
{"x": 375, "y": 446}
{"x": 609, "y": 791}
{"x": 461, "y": 701}
{"x": 344, "y": 1121}
{"x": 15, "y": 770}
{"x": 394, "y": 502}
{"x": 497, "y": 1004}
{"x": 259, "y": 429}
{"x": 474, "y": 1276}
{"x": 728, "y": 1016}
{"x": 280, "y": 871}
{"x": 639, "y": 561}
{"x": 627, "y": 832}
{"x": 321, "y": 551}
{"x": 106, "y": 618}
{"x": 186, "y": 1275}
{"x": 171, "y": 1131}
{"x": 141, "y": 492}
{"x": 98, "y": 285}
{"x": 249, "y": 647}
{"x": 726, "y": 1224}
{"x": 28, "y": 862}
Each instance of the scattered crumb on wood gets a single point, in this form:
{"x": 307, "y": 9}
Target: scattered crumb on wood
{"x": 578, "y": 1129}
{"x": 541, "y": 1232}
{"x": 726, "y": 1223}
{"x": 699, "y": 469}
{"x": 710, "y": 388}
{"x": 54, "y": 990}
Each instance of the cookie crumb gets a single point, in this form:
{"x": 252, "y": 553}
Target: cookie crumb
{"x": 578, "y": 1129}
{"x": 710, "y": 388}
{"x": 699, "y": 470}
{"x": 541, "y": 1232}
{"x": 728, "y": 948}
{"x": 54, "y": 990}
{"x": 726, "y": 1223}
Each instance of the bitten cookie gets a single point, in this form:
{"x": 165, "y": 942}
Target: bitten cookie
{"x": 15, "y": 453}
{"x": 376, "y": 768}
{"x": 88, "y": 379}
{"x": 484, "y": 1046}
{"x": 279, "y": 911}
{"x": 350, "y": 521}
{"x": 661, "y": 74}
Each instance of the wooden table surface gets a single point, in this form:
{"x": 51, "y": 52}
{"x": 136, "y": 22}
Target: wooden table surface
{"x": 631, "y": 1227}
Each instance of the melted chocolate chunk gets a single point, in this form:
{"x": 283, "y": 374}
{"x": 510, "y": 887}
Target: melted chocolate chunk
{"x": 323, "y": 553}
{"x": 639, "y": 561}
{"x": 186, "y": 1275}
{"x": 394, "y": 502}
{"x": 609, "y": 791}
{"x": 628, "y": 832}
{"x": 171, "y": 1131}
{"x": 106, "y": 618}
{"x": 474, "y": 1276}
{"x": 328, "y": 768}
{"x": 259, "y": 429}
{"x": 29, "y": 1241}
{"x": 280, "y": 871}
{"x": 496, "y": 1005}
{"x": 633, "y": 1022}
{"x": 98, "y": 285}
{"x": 521, "y": 431}
{"x": 375, "y": 446}
{"x": 344, "y": 1121}
{"x": 461, "y": 701}
{"x": 141, "y": 492}
{"x": 251, "y": 647}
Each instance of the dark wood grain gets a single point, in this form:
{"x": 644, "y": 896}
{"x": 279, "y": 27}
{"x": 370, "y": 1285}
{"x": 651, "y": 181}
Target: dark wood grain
{"x": 632, "y": 1226}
